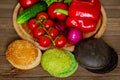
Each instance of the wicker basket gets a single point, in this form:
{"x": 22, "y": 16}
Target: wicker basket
{"x": 24, "y": 32}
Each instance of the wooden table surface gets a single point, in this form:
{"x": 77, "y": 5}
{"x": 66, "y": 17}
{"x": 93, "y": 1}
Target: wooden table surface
{"x": 8, "y": 34}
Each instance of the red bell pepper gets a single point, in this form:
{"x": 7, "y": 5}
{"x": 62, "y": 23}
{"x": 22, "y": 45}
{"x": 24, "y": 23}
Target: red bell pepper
{"x": 82, "y": 15}
{"x": 96, "y": 3}
{"x": 83, "y": 24}
{"x": 84, "y": 9}
{"x": 52, "y": 10}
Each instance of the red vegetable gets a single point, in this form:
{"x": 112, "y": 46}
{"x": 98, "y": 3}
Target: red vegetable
{"x": 84, "y": 10}
{"x": 53, "y": 32}
{"x": 60, "y": 41}
{"x": 44, "y": 41}
{"x": 27, "y": 3}
{"x": 48, "y": 23}
{"x": 83, "y": 24}
{"x": 38, "y": 31}
{"x": 52, "y": 10}
{"x": 32, "y": 24}
{"x": 42, "y": 15}
{"x": 96, "y": 3}
{"x": 60, "y": 26}
{"x": 83, "y": 15}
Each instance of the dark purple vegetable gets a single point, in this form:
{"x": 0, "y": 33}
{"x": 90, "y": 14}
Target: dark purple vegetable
{"x": 74, "y": 35}
{"x": 60, "y": 26}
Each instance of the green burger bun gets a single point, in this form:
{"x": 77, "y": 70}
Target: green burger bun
{"x": 59, "y": 63}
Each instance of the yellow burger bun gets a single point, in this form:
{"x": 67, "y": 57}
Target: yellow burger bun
{"x": 23, "y": 55}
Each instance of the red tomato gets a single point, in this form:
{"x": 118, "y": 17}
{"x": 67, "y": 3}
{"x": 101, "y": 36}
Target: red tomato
{"x": 44, "y": 41}
{"x": 60, "y": 41}
{"x": 48, "y": 23}
{"x": 32, "y": 24}
{"x": 27, "y": 3}
{"x": 37, "y": 32}
{"x": 53, "y": 32}
{"x": 42, "y": 15}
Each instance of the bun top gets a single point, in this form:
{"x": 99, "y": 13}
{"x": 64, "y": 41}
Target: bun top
{"x": 21, "y": 53}
{"x": 93, "y": 53}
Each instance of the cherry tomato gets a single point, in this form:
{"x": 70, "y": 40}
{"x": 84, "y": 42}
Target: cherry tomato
{"x": 48, "y": 23}
{"x": 32, "y": 24}
{"x": 53, "y": 32}
{"x": 60, "y": 41}
{"x": 42, "y": 15}
{"x": 27, "y": 3}
{"x": 37, "y": 32}
{"x": 44, "y": 41}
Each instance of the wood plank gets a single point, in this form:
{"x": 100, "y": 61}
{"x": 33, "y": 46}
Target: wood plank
{"x": 7, "y": 7}
{"x": 7, "y": 34}
{"x": 113, "y": 26}
{"x": 69, "y": 78}
{"x": 112, "y": 11}
{"x": 110, "y": 2}
{"x": 112, "y": 33}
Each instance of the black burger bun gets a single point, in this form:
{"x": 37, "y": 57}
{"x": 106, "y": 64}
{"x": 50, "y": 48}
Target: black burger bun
{"x": 96, "y": 55}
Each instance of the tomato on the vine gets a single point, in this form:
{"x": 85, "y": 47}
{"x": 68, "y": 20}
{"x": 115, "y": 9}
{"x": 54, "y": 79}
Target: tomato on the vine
{"x": 32, "y": 24}
{"x": 60, "y": 41}
{"x": 42, "y": 15}
{"x": 48, "y": 23}
{"x": 44, "y": 41}
{"x": 37, "y": 32}
{"x": 53, "y": 32}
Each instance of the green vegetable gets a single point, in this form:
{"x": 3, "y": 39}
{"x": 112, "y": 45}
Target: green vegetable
{"x": 31, "y": 12}
{"x": 49, "y": 2}
{"x": 67, "y": 1}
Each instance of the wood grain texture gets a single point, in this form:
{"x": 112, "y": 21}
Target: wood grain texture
{"x": 8, "y": 34}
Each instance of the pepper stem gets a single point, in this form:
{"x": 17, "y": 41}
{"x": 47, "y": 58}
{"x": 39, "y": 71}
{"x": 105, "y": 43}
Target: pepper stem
{"x": 65, "y": 12}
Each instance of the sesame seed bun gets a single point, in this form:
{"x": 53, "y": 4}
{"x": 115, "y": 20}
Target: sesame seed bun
{"x": 23, "y": 55}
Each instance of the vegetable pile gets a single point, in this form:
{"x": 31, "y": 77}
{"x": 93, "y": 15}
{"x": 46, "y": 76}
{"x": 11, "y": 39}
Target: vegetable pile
{"x": 55, "y": 23}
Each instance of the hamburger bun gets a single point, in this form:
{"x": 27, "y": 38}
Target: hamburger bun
{"x": 23, "y": 55}
{"x": 59, "y": 63}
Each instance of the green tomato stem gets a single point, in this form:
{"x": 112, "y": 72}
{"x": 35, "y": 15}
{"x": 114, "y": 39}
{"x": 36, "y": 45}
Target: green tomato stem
{"x": 65, "y": 12}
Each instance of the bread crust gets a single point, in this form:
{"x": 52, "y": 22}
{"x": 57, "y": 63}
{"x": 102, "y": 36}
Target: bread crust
{"x": 23, "y": 55}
